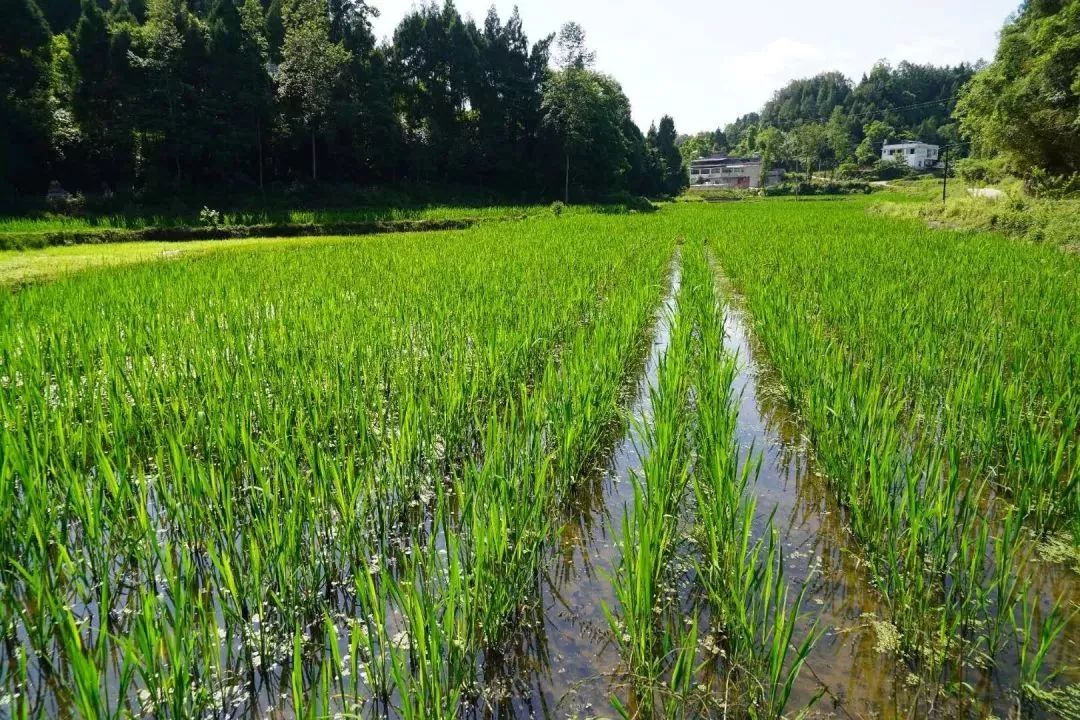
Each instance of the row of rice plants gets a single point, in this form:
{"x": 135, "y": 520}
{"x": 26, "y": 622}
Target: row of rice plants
{"x": 280, "y": 478}
{"x": 979, "y": 336}
{"x": 931, "y": 371}
{"x": 704, "y": 616}
{"x": 534, "y": 450}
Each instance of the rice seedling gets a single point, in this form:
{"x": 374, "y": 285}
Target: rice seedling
{"x": 941, "y": 406}
{"x": 323, "y": 477}
{"x": 750, "y": 662}
{"x": 205, "y": 461}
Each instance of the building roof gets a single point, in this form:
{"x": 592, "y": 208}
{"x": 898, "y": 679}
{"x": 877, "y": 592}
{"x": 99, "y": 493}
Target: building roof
{"x": 723, "y": 160}
{"x": 908, "y": 143}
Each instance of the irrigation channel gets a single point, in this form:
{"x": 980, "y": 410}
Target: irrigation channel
{"x": 578, "y": 670}
{"x": 573, "y": 668}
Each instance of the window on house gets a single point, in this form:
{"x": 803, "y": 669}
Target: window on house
{"x": 911, "y": 151}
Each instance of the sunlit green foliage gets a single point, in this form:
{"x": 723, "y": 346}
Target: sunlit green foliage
{"x": 935, "y": 375}
{"x": 248, "y": 462}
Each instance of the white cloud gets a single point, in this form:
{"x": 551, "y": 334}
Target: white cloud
{"x": 936, "y": 48}
{"x": 750, "y": 78}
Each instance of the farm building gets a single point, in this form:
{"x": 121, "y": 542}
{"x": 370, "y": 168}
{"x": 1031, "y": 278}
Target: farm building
{"x": 729, "y": 172}
{"x": 918, "y": 155}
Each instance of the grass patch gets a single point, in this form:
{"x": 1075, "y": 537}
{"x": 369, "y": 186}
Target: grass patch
{"x": 1019, "y": 215}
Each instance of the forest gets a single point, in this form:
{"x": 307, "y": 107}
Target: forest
{"x": 167, "y": 95}
{"x": 1018, "y": 113}
{"x": 829, "y": 121}
{"x": 161, "y": 97}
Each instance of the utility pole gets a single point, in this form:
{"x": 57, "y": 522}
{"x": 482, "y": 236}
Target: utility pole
{"x": 567, "y": 186}
{"x": 945, "y": 177}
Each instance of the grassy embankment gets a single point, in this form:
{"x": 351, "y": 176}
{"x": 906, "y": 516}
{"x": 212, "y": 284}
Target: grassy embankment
{"x": 279, "y": 212}
{"x": 1018, "y": 214}
{"x": 52, "y": 229}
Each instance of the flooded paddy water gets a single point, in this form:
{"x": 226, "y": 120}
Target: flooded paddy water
{"x": 853, "y": 671}
{"x": 563, "y": 660}
{"x": 850, "y": 665}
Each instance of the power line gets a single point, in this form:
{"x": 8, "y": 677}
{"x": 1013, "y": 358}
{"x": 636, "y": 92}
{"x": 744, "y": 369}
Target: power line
{"x": 903, "y": 107}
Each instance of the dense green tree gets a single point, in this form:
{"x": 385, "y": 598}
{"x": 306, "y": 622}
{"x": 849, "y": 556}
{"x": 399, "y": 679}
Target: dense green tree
{"x": 915, "y": 99}
{"x": 436, "y": 58}
{"x": 60, "y": 14}
{"x": 839, "y": 136}
{"x": 1026, "y": 103}
{"x": 806, "y": 100}
{"x": 663, "y": 138}
{"x": 311, "y": 69}
{"x": 66, "y": 136}
{"x": 646, "y": 173}
{"x": 742, "y": 134}
{"x": 349, "y": 18}
{"x": 573, "y": 51}
{"x": 772, "y": 146}
{"x": 508, "y": 100}
{"x": 586, "y": 114}
{"x": 698, "y": 145}
{"x": 809, "y": 145}
{"x": 25, "y": 112}
{"x": 156, "y": 94}
{"x": 102, "y": 91}
{"x": 239, "y": 102}
{"x": 875, "y": 134}
{"x": 170, "y": 57}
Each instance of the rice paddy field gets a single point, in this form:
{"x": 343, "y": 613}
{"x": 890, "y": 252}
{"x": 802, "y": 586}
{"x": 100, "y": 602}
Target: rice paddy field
{"x": 752, "y": 460}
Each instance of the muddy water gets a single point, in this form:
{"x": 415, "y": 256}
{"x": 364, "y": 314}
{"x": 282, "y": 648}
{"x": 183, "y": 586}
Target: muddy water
{"x": 574, "y": 660}
{"x": 574, "y": 670}
{"x": 850, "y": 664}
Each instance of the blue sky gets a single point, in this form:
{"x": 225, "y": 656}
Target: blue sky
{"x": 707, "y": 61}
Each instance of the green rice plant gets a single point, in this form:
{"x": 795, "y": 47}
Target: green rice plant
{"x": 690, "y": 451}
{"x": 932, "y": 374}
{"x": 533, "y": 452}
{"x": 329, "y": 470}
{"x": 264, "y": 440}
{"x": 751, "y": 612}
{"x": 648, "y": 633}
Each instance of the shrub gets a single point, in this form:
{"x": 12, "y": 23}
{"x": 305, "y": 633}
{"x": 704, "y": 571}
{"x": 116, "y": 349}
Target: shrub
{"x": 828, "y": 187}
{"x": 630, "y": 203}
{"x": 981, "y": 170}
{"x": 717, "y": 194}
{"x": 1042, "y": 184}
{"x": 848, "y": 170}
{"x": 892, "y": 170}
{"x": 639, "y": 203}
{"x": 209, "y": 218}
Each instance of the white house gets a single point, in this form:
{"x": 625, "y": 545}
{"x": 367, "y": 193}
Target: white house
{"x": 918, "y": 155}
{"x": 728, "y": 172}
